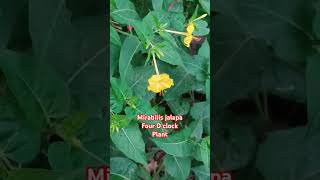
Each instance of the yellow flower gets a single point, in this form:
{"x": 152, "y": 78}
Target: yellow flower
{"x": 187, "y": 40}
{"x": 190, "y": 28}
{"x": 158, "y": 83}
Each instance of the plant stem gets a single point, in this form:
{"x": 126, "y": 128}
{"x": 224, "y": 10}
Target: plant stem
{"x": 122, "y": 32}
{"x": 176, "y": 32}
{"x": 155, "y": 64}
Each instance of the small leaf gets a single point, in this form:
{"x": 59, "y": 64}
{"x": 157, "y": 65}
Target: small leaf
{"x": 177, "y": 167}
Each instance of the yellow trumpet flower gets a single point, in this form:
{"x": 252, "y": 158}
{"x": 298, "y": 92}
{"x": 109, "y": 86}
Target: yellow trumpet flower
{"x": 158, "y": 83}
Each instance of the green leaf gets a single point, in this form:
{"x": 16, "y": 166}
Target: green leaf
{"x": 59, "y": 156}
{"x": 138, "y": 81}
{"x": 129, "y": 141}
{"x": 292, "y": 40}
{"x": 114, "y": 36}
{"x": 204, "y": 50}
{"x": 122, "y": 168}
{"x": 35, "y": 174}
{"x": 178, "y": 144}
{"x": 173, "y": 6}
{"x": 143, "y": 30}
{"x": 201, "y": 172}
{"x": 170, "y": 54}
{"x": 201, "y": 112}
{"x": 183, "y": 82}
{"x": 114, "y": 58}
{"x": 277, "y": 156}
{"x": 157, "y": 4}
{"x": 54, "y": 39}
{"x": 129, "y": 48}
{"x": 125, "y": 12}
{"x": 201, "y": 28}
{"x": 205, "y": 5}
{"x": 198, "y": 66}
{"x": 179, "y": 106}
{"x": 16, "y": 141}
{"x": 202, "y": 152}
{"x": 87, "y": 81}
{"x": 120, "y": 93}
{"x": 235, "y": 143}
{"x": 313, "y": 96}
{"x": 41, "y": 94}
{"x": 9, "y": 10}
{"x": 177, "y": 167}
{"x": 240, "y": 61}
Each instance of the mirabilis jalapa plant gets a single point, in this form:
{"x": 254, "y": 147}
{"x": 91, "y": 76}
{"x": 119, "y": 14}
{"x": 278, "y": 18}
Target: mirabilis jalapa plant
{"x": 155, "y": 70}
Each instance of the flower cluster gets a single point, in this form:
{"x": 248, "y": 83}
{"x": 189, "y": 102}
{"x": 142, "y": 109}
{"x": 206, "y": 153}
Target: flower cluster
{"x": 159, "y": 82}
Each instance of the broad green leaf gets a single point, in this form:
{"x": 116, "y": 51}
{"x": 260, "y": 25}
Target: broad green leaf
{"x": 235, "y": 143}
{"x": 197, "y": 129}
{"x": 239, "y": 62}
{"x": 122, "y": 168}
{"x": 116, "y": 104}
{"x": 178, "y": 144}
{"x": 40, "y": 92}
{"x": 205, "y": 5}
{"x": 59, "y": 156}
{"x": 173, "y": 6}
{"x": 143, "y": 30}
{"x": 313, "y": 95}
{"x": 202, "y": 173}
{"x": 35, "y": 174}
{"x": 54, "y": 39}
{"x": 124, "y": 12}
{"x": 201, "y": 112}
{"x": 171, "y": 56}
{"x": 138, "y": 80}
{"x": 157, "y": 4}
{"x": 201, "y": 28}
{"x": 179, "y": 106}
{"x": 177, "y": 21}
{"x": 204, "y": 50}
{"x": 183, "y": 82}
{"x": 16, "y": 141}
{"x": 120, "y": 92}
{"x": 277, "y": 156}
{"x": 9, "y": 10}
{"x": 287, "y": 30}
{"x": 202, "y": 152}
{"x": 198, "y": 66}
{"x": 129, "y": 48}
{"x": 114, "y": 36}
{"x": 87, "y": 81}
{"x": 129, "y": 141}
{"x": 177, "y": 167}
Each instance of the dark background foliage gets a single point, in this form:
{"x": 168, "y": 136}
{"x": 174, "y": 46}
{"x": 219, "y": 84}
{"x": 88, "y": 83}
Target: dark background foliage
{"x": 266, "y": 89}
{"x": 53, "y": 77}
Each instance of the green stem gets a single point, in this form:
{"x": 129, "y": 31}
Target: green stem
{"x": 155, "y": 64}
